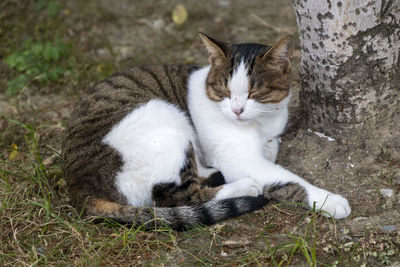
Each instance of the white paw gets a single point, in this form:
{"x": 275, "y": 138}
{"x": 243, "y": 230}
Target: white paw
{"x": 240, "y": 188}
{"x": 335, "y": 205}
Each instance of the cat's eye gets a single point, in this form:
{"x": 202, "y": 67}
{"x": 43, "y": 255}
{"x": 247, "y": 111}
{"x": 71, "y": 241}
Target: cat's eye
{"x": 220, "y": 91}
{"x": 252, "y": 93}
{"x": 228, "y": 92}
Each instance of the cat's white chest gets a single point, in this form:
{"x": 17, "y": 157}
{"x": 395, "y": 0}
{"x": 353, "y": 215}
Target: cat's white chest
{"x": 221, "y": 136}
{"x": 271, "y": 126}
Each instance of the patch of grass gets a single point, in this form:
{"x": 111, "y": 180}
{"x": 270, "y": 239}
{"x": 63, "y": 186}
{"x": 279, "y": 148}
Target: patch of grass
{"x": 387, "y": 173}
{"x": 52, "y": 8}
{"x": 38, "y": 61}
{"x": 38, "y": 227}
{"x": 54, "y": 62}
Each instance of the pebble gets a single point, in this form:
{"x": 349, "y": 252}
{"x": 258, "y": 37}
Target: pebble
{"x": 386, "y": 193}
{"x": 224, "y": 3}
{"x": 388, "y": 204}
{"x": 360, "y": 218}
{"x": 389, "y": 228}
{"x": 103, "y": 53}
{"x": 157, "y": 24}
{"x": 345, "y": 237}
{"x": 235, "y": 243}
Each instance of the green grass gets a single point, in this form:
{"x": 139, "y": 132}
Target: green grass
{"x": 39, "y": 61}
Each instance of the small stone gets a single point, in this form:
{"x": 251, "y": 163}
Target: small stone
{"x": 124, "y": 52}
{"x": 360, "y": 218}
{"x": 389, "y": 228}
{"x": 386, "y": 193}
{"x": 388, "y": 204}
{"x": 345, "y": 237}
{"x": 224, "y": 254}
{"x": 158, "y": 24}
{"x": 224, "y": 3}
{"x": 103, "y": 53}
{"x": 235, "y": 243}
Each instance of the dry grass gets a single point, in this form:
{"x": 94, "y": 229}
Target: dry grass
{"x": 39, "y": 227}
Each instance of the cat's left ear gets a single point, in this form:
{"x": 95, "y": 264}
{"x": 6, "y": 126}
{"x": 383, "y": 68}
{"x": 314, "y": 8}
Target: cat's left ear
{"x": 218, "y": 50}
{"x": 280, "y": 55}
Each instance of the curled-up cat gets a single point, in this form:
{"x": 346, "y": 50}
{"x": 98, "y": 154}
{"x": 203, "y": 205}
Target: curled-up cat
{"x": 146, "y": 143}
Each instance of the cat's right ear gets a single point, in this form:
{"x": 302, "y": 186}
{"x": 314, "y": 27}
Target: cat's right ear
{"x": 279, "y": 56}
{"x": 218, "y": 50}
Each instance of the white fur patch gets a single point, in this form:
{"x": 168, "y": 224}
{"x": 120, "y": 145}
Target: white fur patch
{"x": 152, "y": 140}
{"x": 239, "y": 88}
{"x": 239, "y": 83}
{"x": 238, "y": 148}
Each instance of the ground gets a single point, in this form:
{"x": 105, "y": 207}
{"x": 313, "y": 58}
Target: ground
{"x": 82, "y": 42}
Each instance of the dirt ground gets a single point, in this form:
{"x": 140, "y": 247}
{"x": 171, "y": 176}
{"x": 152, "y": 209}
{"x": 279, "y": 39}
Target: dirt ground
{"x": 109, "y": 36}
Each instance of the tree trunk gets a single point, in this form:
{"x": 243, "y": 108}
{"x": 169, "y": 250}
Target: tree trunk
{"x": 350, "y": 66}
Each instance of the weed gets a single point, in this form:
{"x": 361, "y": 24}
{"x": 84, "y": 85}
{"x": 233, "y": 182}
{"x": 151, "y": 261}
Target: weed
{"x": 37, "y": 61}
{"x": 51, "y": 7}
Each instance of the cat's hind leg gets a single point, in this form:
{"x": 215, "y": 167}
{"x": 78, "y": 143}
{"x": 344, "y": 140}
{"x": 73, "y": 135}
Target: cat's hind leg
{"x": 152, "y": 141}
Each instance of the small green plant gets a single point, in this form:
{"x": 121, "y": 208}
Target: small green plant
{"x": 36, "y": 61}
{"x": 51, "y": 7}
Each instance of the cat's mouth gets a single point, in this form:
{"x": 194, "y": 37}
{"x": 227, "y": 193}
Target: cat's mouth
{"x": 238, "y": 118}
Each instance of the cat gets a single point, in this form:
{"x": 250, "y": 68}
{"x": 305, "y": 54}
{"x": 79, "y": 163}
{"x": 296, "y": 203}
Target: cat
{"x": 182, "y": 145}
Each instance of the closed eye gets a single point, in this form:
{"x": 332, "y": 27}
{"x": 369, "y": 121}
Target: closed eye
{"x": 252, "y": 93}
{"x": 263, "y": 91}
{"x": 220, "y": 90}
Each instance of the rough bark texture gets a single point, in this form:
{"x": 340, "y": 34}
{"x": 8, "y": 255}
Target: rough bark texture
{"x": 350, "y": 67}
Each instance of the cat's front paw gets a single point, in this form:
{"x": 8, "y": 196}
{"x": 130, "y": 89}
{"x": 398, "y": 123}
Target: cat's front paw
{"x": 334, "y": 205}
{"x": 240, "y": 188}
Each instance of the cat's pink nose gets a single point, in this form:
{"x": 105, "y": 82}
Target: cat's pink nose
{"x": 237, "y": 111}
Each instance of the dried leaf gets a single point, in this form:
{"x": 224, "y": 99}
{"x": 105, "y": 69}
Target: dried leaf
{"x": 49, "y": 160}
{"x": 61, "y": 184}
{"x": 179, "y": 14}
{"x": 13, "y": 155}
{"x": 100, "y": 68}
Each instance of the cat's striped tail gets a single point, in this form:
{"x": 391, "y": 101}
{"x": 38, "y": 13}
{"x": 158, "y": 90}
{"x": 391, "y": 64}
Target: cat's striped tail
{"x": 178, "y": 218}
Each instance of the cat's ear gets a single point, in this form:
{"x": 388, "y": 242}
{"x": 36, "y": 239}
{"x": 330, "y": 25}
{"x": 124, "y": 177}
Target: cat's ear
{"x": 218, "y": 50}
{"x": 280, "y": 55}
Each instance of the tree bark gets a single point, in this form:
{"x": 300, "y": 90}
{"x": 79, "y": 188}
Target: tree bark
{"x": 350, "y": 68}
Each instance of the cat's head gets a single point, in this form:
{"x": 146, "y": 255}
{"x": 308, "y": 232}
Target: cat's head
{"x": 248, "y": 80}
